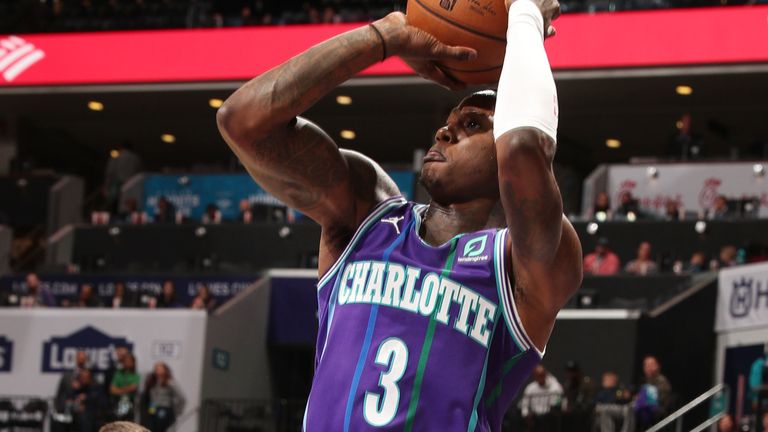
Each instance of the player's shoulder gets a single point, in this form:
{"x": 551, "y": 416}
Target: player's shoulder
{"x": 370, "y": 181}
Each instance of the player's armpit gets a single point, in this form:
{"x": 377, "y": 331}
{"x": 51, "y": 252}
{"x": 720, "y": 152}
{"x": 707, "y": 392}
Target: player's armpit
{"x": 542, "y": 290}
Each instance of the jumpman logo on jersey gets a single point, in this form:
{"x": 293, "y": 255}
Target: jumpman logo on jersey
{"x": 394, "y": 220}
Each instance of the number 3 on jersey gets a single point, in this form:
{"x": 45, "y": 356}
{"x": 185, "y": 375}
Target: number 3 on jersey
{"x": 380, "y": 409}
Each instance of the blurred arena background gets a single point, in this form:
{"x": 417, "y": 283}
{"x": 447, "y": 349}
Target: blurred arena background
{"x": 127, "y": 227}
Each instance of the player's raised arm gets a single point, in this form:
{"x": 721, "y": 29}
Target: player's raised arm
{"x": 295, "y": 160}
{"x": 545, "y": 251}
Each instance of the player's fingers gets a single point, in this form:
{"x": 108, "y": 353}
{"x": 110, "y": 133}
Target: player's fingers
{"x": 445, "y": 52}
{"x": 431, "y": 72}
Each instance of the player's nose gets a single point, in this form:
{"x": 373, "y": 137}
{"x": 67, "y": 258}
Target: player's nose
{"x": 445, "y": 134}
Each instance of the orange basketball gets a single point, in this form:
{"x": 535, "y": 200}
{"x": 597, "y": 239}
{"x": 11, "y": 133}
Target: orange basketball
{"x": 478, "y": 24}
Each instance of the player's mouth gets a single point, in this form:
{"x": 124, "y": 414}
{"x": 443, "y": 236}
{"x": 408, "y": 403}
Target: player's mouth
{"x": 434, "y": 156}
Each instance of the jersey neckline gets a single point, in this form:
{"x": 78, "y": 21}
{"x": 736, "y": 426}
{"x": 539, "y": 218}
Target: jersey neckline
{"x": 418, "y": 211}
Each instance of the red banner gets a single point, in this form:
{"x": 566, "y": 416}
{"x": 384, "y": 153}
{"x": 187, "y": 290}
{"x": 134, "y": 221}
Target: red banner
{"x": 718, "y": 35}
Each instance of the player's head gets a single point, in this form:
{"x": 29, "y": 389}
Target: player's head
{"x": 460, "y": 166}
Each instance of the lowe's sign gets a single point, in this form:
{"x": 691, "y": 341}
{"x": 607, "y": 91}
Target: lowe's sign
{"x": 59, "y": 353}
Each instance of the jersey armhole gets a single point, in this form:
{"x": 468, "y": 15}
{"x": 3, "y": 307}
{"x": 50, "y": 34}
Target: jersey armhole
{"x": 506, "y": 296}
{"x": 378, "y": 211}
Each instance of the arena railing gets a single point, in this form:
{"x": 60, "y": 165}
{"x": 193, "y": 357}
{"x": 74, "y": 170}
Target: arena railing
{"x": 718, "y": 397}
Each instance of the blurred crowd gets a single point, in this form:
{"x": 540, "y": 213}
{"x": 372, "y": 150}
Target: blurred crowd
{"x": 632, "y": 209}
{"x": 86, "y": 399}
{"x": 22, "y": 16}
{"x": 35, "y": 295}
{"x": 602, "y": 261}
{"x": 579, "y": 404}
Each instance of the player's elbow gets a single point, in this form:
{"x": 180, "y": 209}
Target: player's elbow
{"x": 237, "y": 127}
{"x": 525, "y": 144}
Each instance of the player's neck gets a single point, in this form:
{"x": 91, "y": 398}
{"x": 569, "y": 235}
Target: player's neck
{"x": 441, "y": 223}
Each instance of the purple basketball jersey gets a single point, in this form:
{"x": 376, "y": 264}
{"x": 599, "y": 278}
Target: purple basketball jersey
{"x": 414, "y": 337}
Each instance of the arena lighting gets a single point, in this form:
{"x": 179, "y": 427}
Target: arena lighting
{"x": 652, "y": 172}
{"x": 348, "y": 134}
{"x": 95, "y": 106}
{"x": 168, "y": 138}
{"x": 601, "y": 216}
{"x": 684, "y": 90}
{"x": 215, "y": 103}
{"x": 700, "y": 227}
{"x": 592, "y": 228}
{"x": 200, "y": 231}
{"x": 114, "y": 153}
{"x": 758, "y": 170}
{"x": 343, "y": 100}
{"x": 631, "y": 216}
{"x": 612, "y": 143}
{"x": 284, "y": 232}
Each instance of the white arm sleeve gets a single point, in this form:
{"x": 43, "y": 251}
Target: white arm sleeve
{"x": 527, "y": 95}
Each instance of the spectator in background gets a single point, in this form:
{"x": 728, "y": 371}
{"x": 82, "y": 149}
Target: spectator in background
{"x": 539, "y": 397}
{"x": 166, "y": 211}
{"x": 69, "y": 383}
{"x": 87, "y": 297}
{"x": 89, "y": 403}
{"x": 246, "y": 214}
{"x": 758, "y": 388}
{"x": 728, "y": 255}
{"x": 684, "y": 144}
{"x": 131, "y": 214}
{"x": 612, "y": 411}
{"x": 643, "y": 264}
{"x": 602, "y": 262}
{"x": 36, "y": 295}
{"x": 164, "y": 401}
{"x": 123, "y": 298}
{"x": 720, "y": 209}
{"x": 602, "y": 209}
{"x": 212, "y": 215}
{"x": 123, "y": 165}
{"x": 579, "y": 397}
{"x": 116, "y": 363}
{"x": 673, "y": 211}
{"x": 167, "y": 298}
{"x": 203, "y": 299}
{"x": 697, "y": 263}
{"x": 124, "y": 388}
{"x": 653, "y": 400}
{"x": 628, "y": 208}
{"x": 726, "y": 424}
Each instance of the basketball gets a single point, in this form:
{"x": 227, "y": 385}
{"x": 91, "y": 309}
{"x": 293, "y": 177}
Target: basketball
{"x": 481, "y": 25}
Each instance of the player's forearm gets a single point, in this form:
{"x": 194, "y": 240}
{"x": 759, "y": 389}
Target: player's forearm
{"x": 525, "y": 127}
{"x": 277, "y": 96}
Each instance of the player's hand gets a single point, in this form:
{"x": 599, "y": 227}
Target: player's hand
{"x": 420, "y": 50}
{"x": 550, "y": 10}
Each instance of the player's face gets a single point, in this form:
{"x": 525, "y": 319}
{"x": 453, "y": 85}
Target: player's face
{"x": 461, "y": 164}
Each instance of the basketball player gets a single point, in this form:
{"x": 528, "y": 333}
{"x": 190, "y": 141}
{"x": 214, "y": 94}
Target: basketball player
{"x": 431, "y": 316}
